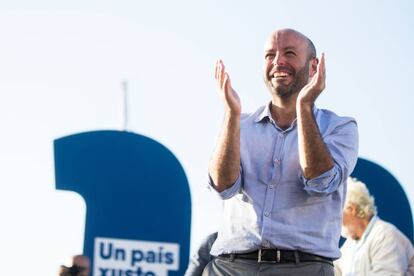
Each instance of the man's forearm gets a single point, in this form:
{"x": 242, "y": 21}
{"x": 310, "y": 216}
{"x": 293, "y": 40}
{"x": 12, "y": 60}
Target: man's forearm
{"x": 314, "y": 156}
{"x": 225, "y": 163}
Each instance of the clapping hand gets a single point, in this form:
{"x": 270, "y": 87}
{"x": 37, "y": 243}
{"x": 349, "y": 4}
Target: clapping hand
{"x": 314, "y": 88}
{"x": 230, "y": 98}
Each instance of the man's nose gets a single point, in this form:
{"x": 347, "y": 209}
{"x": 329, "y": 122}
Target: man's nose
{"x": 278, "y": 60}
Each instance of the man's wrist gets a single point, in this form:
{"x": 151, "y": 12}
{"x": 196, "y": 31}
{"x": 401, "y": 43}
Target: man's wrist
{"x": 231, "y": 115}
{"x": 304, "y": 107}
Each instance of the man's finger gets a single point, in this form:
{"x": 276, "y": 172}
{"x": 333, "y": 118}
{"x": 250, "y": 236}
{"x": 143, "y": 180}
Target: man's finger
{"x": 322, "y": 64}
{"x": 216, "y": 69}
{"x": 227, "y": 84}
{"x": 220, "y": 74}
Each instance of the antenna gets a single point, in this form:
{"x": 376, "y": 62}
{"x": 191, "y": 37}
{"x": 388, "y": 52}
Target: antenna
{"x": 125, "y": 92}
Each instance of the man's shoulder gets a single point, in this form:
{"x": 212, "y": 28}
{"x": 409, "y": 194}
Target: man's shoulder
{"x": 329, "y": 120}
{"x": 382, "y": 225}
{"x": 325, "y": 114}
{"x": 388, "y": 230}
{"x": 385, "y": 226}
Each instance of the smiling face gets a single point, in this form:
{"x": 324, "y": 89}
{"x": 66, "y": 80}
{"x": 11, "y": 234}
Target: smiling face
{"x": 289, "y": 61}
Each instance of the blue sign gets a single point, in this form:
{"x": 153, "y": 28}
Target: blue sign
{"x": 138, "y": 202}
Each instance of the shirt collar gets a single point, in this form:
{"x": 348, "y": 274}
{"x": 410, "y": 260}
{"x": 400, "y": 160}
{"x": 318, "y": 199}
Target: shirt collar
{"x": 369, "y": 227}
{"x": 267, "y": 114}
{"x": 264, "y": 114}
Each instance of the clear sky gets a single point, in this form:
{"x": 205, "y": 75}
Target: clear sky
{"x": 61, "y": 67}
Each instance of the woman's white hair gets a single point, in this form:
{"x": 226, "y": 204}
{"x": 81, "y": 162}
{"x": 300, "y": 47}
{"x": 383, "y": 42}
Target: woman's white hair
{"x": 358, "y": 194}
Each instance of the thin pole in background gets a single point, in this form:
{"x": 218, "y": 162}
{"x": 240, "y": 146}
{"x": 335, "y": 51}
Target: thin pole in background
{"x": 125, "y": 92}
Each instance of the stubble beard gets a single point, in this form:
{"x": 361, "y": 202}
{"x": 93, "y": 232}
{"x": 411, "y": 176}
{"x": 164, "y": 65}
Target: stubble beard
{"x": 287, "y": 91}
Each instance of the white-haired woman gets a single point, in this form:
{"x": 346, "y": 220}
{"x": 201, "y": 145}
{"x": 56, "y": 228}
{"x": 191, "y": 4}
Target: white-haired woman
{"x": 373, "y": 246}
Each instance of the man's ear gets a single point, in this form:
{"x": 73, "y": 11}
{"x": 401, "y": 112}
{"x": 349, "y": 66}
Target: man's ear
{"x": 313, "y": 66}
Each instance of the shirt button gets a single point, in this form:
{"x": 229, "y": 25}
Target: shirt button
{"x": 270, "y": 187}
{"x": 266, "y": 243}
{"x": 277, "y": 161}
{"x": 266, "y": 214}
{"x": 281, "y": 135}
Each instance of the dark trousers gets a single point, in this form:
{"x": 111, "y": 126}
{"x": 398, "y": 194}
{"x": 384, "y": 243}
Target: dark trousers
{"x": 243, "y": 267}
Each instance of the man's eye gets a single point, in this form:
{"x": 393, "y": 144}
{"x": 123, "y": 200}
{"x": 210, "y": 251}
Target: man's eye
{"x": 269, "y": 56}
{"x": 290, "y": 53}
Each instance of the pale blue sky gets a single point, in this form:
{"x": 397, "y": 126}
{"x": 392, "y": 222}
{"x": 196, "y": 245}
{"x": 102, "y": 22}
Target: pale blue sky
{"x": 61, "y": 67}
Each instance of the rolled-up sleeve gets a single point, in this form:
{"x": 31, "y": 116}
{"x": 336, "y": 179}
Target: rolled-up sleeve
{"x": 325, "y": 183}
{"x": 229, "y": 192}
{"x": 342, "y": 144}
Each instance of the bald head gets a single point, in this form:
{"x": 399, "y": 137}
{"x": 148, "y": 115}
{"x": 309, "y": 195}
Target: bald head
{"x": 289, "y": 62}
{"x": 297, "y": 36}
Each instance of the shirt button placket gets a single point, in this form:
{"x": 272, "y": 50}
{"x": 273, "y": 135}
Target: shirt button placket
{"x": 266, "y": 243}
{"x": 279, "y": 149}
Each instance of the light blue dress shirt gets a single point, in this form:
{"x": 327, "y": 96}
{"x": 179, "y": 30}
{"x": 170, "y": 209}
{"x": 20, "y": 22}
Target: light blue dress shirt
{"x": 271, "y": 204}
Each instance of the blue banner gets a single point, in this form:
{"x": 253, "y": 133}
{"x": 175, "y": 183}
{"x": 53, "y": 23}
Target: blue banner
{"x": 138, "y": 202}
